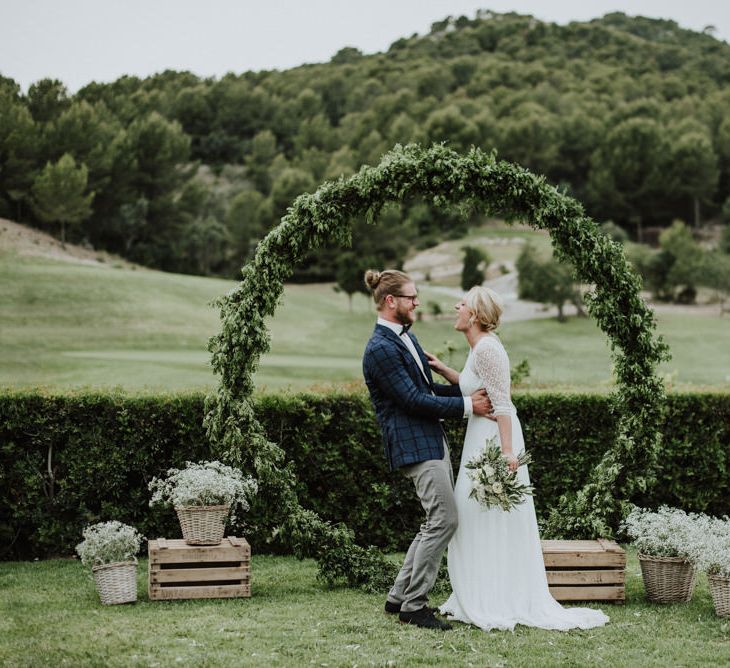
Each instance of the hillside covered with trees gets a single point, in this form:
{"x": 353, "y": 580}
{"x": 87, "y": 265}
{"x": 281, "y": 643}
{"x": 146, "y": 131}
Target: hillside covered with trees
{"x": 629, "y": 115}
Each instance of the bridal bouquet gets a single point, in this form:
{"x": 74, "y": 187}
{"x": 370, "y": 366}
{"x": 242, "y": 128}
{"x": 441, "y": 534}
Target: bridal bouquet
{"x": 493, "y": 483}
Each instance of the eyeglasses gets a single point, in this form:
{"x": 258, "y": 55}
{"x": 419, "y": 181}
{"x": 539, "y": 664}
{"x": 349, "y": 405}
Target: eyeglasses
{"x": 411, "y": 297}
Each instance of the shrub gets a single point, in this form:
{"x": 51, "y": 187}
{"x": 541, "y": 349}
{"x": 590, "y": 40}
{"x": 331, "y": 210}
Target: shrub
{"x": 71, "y": 460}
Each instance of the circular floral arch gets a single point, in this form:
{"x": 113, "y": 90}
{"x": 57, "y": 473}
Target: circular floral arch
{"x": 499, "y": 189}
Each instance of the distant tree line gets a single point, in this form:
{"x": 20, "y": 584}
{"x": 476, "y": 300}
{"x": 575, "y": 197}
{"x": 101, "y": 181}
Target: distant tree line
{"x": 629, "y": 115}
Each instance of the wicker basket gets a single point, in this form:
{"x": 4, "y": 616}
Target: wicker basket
{"x": 117, "y": 582}
{"x": 667, "y": 579}
{"x": 203, "y": 525}
{"x": 720, "y": 590}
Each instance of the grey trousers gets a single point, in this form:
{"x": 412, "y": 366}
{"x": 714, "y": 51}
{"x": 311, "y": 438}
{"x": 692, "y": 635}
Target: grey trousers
{"x": 434, "y": 483}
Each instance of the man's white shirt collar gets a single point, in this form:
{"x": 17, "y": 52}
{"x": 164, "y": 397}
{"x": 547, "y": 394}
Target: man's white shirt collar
{"x": 393, "y": 326}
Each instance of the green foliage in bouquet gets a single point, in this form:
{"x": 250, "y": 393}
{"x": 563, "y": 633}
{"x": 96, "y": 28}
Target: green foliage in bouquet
{"x": 493, "y": 484}
{"x": 475, "y": 181}
{"x": 108, "y": 542}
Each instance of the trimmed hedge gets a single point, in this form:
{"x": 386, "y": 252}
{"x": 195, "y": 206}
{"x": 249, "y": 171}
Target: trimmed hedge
{"x": 70, "y": 460}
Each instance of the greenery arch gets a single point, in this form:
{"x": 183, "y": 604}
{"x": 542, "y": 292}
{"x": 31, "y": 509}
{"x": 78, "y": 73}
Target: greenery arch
{"x": 497, "y": 188}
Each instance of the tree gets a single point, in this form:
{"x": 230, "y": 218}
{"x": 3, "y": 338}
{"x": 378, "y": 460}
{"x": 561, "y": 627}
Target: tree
{"x": 193, "y": 111}
{"x": 18, "y": 151}
{"x": 347, "y": 54}
{"x": 47, "y": 99}
{"x": 204, "y": 243}
{"x": 58, "y": 194}
{"x": 475, "y": 263}
{"x": 530, "y": 136}
{"x": 715, "y": 274}
{"x": 246, "y": 224}
{"x": 686, "y": 259}
{"x": 160, "y": 150}
{"x": 695, "y": 169}
{"x": 673, "y": 271}
{"x": 449, "y": 124}
{"x": 725, "y": 237}
{"x": 349, "y": 276}
{"x": 547, "y": 282}
{"x": 94, "y": 137}
{"x": 258, "y": 161}
{"x": 159, "y": 147}
{"x": 628, "y": 170}
{"x": 290, "y": 183}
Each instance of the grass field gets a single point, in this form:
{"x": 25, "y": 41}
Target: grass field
{"x": 65, "y": 325}
{"x": 51, "y": 616}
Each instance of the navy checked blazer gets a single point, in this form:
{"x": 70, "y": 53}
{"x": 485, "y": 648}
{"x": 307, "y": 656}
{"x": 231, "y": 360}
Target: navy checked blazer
{"x": 408, "y": 413}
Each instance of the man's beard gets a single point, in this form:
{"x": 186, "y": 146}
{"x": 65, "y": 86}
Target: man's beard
{"x": 403, "y": 316}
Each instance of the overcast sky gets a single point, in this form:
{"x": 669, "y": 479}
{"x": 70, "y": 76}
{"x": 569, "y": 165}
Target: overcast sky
{"x": 78, "y": 41}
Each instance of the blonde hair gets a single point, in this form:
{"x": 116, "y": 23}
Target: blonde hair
{"x": 486, "y": 307}
{"x": 384, "y": 283}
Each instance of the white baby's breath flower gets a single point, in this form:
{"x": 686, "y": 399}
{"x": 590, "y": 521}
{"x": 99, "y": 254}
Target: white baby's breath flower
{"x": 108, "y": 542}
{"x": 204, "y": 484}
{"x": 671, "y": 532}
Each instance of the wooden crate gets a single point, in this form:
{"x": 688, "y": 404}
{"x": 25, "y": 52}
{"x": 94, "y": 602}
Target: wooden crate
{"x": 178, "y": 570}
{"x": 585, "y": 570}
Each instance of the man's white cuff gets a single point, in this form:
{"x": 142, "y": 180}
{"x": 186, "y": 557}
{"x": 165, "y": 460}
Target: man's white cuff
{"x": 468, "y": 409}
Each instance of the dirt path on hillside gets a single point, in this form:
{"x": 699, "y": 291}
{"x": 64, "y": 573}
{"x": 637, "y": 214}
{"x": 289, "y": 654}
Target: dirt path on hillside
{"x": 517, "y": 309}
{"x": 26, "y": 241}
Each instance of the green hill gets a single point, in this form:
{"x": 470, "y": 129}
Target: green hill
{"x": 629, "y": 114}
{"x": 74, "y": 322}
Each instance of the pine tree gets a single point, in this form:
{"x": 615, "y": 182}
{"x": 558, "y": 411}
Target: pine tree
{"x": 58, "y": 193}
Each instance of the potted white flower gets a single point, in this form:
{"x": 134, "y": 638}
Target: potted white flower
{"x": 712, "y": 555}
{"x": 110, "y": 549}
{"x": 202, "y": 495}
{"x": 666, "y": 540}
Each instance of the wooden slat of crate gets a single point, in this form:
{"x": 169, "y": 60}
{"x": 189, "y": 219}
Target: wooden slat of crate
{"x": 178, "y": 551}
{"x": 208, "y": 591}
{"x": 612, "y": 594}
{"x": 588, "y": 577}
{"x": 585, "y": 570}
{"x": 199, "y": 574}
{"x": 582, "y": 553}
{"x": 178, "y": 570}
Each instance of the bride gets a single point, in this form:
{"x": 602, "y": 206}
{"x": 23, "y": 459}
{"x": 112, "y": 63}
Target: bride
{"x": 495, "y": 559}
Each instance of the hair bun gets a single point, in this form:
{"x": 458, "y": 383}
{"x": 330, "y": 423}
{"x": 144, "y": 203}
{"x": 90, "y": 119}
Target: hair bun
{"x": 372, "y": 278}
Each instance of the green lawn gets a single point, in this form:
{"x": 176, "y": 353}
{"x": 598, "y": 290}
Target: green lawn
{"x": 51, "y": 616}
{"x": 66, "y": 325}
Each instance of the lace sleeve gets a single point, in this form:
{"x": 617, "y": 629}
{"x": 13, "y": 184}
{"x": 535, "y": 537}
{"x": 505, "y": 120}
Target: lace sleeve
{"x": 491, "y": 365}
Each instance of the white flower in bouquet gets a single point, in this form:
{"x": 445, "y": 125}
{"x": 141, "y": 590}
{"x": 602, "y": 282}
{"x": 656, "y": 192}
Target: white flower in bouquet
{"x": 667, "y": 532}
{"x": 108, "y": 542}
{"x": 493, "y": 484}
{"x": 204, "y": 484}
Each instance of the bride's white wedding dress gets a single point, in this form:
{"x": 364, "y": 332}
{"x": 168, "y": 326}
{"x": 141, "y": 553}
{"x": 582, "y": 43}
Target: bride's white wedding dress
{"x": 495, "y": 559}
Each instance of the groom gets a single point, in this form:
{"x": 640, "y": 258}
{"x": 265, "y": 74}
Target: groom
{"x": 410, "y": 408}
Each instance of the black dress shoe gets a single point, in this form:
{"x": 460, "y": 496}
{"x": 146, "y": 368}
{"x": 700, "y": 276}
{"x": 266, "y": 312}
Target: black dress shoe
{"x": 394, "y": 608}
{"x": 424, "y": 618}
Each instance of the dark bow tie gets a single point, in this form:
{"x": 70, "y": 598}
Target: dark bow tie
{"x": 405, "y": 328}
